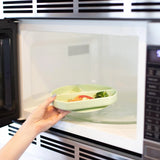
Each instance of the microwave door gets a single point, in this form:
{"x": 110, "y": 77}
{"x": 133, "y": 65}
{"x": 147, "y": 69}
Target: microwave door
{"x": 8, "y": 92}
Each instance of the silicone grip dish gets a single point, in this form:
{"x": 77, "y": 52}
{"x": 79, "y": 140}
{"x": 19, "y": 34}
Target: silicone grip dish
{"x": 69, "y": 92}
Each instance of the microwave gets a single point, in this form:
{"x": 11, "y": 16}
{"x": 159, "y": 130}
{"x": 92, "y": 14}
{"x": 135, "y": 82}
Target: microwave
{"x": 45, "y": 54}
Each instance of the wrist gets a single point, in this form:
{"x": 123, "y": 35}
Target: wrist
{"x": 28, "y": 130}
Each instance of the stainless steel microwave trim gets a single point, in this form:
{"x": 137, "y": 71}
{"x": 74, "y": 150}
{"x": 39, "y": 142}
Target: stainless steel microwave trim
{"x": 71, "y": 148}
{"x": 151, "y": 150}
{"x": 86, "y": 9}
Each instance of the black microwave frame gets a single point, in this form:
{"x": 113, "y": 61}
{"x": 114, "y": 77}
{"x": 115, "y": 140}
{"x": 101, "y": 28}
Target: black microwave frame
{"x": 10, "y": 108}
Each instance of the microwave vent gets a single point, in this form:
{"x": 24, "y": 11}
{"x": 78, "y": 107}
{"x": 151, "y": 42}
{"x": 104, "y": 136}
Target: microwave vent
{"x": 70, "y": 146}
{"x": 82, "y": 9}
{"x": 13, "y": 128}
{"x": 54, "y": 6}
{"x": 146, "y": 6}
{"x": 17, "y": 6}
{"x": 72, "y": 149}
{"x": 102, "y": 6}
{"x": 90, "y": 155}
{"x": 57, "y": 146}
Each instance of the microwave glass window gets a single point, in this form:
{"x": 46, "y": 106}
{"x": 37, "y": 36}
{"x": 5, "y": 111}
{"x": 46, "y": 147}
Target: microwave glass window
{"x": 60, "y": 59}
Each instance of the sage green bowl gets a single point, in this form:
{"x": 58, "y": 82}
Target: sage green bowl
{"x": 69, "y": 92}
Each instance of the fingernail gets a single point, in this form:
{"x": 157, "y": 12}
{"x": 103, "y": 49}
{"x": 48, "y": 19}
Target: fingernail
{"x": 54, "y": 95}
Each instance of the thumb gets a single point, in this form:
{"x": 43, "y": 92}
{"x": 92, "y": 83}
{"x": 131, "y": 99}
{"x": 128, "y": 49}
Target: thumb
{"x": 47, "y": 102}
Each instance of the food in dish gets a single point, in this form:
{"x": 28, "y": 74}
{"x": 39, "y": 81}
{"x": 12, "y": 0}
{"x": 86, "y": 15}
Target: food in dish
{"x": 101, "y": 97}
{"x": 101, "y": 94}
{"x": 86, "y": 97}
{"x": 80, "y": 98}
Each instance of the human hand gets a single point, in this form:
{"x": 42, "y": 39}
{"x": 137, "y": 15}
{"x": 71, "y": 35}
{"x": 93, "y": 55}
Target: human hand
{"x": 41, "y": 119}
{"x": 45, "y": 116}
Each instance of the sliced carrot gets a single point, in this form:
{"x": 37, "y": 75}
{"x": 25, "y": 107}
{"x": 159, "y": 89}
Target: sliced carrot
{"x": 79, "y": 98}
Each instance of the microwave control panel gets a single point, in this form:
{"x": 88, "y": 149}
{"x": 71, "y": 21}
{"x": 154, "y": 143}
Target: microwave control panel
{"x": 152, "y": 104}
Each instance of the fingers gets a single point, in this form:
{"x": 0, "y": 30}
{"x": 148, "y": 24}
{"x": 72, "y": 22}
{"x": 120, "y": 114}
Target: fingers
{"x": 55, "y": 116}
{"x": 62, "y": 113}
{"x": 47, "y": 102}
{"x": 51, "y": 111}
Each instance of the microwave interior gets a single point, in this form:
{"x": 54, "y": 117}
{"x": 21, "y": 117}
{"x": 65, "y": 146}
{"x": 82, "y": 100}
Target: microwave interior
{"x": 54, "y": 54}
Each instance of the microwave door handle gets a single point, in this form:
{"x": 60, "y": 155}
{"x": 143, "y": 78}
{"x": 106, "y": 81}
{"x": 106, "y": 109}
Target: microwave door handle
{"x": 7, "y": 73}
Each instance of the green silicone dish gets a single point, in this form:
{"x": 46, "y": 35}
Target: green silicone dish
{"x": 69, "y": 92}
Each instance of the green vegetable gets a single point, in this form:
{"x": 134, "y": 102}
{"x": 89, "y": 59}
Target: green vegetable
{"x": 101, "y": 94}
